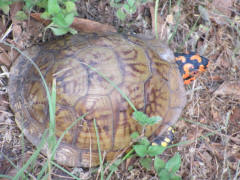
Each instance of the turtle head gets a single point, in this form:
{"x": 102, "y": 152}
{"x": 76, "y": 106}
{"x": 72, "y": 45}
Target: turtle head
{"x": 191, "y": 65}
{"x": 162, "y": 49}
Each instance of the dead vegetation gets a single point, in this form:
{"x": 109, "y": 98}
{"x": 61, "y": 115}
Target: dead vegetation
{"x": 209, "y": 130}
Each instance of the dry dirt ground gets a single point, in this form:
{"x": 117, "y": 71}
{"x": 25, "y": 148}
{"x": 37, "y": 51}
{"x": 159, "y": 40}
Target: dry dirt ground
{"x": 208, "y": 132}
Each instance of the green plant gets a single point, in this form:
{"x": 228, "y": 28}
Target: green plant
{"x": 60, "y": 12}
{"x": 168, "y": 170}
{"x": 4, "y": 6}
{"x": 129, "y": 7}
{"x": 146, "y": 151}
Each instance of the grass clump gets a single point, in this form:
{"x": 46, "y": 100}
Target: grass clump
{"x": 60, "y": 12}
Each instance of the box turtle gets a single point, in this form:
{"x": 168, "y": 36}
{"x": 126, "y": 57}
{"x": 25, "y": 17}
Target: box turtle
{"x": 144, "y": 69}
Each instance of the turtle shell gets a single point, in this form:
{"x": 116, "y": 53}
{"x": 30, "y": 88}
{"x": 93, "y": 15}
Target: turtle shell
{"x": 143, "y": 69}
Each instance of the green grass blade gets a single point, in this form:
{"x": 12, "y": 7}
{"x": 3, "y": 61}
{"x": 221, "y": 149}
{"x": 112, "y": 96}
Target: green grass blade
{"x": 33, "y": 157}
{"x": 190, "y": 32}
{"x": 99, "y": 148}
{"x": 39, "y": 72}
{"x": 5, "y": 176}
{"x": 63, "y": 134}
{"x": 123, "y": 159}
{"x": 9, "y": 160}
{"x": 57, "y": 144}
{"x": 177, "y": 22}
{"x": 52, "y": 125}
{"x": 156, "y": 17}
{"x": 64, "y": 170}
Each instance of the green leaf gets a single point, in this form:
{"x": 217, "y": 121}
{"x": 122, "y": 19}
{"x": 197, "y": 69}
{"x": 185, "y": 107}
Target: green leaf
{"x": 127, "y": 8}
{"x": 62, "y": 21}
{"x": 143, "y": 119}
{"x": 69, "y": 19}
{"x": 42, "y": 4}
{"x": 144, "y": 141}
{"x": 146, "y": 163}
{"x": 134, "y": 135}
{"x": 154, "y": 119}
{"x": 115, "y": 4}
{"x": 116, "y": 1}
{"x": 174, "y": 163}
{"x": 115, "y": 165}
{"x": 5, "y": 8}
{"x": 20, "y": 15}
{"x": 70, "y": 7}
{"x": 155, "y": 150}
{"x": 59, "y": 20}
{"x": 121, "y": 15}
{"x": 72, "y": 31}
{"x": 164, "y": 174}
{"x": 45, "y": 15}
{"x": 131, "y": 3}
{"x": 140, "y": 150}
{"x": 29, "y": 4}
{"x": 133, "y": 10}
{"x": 140, "y": 117}
{"x": 158, "y": 164}
{"x": 53, "y": 7}
{"x": 59, "y": 31}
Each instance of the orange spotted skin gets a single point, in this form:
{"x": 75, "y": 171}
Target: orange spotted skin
{"x": 190, "y": 65}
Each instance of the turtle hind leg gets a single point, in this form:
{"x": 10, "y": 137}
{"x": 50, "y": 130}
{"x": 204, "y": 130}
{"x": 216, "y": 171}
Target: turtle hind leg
{"x": 165, "y": 139}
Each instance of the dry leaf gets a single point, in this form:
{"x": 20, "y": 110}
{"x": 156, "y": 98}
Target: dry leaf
{"x": 223, "y": 61}
{"x": 229, "y": 88}
{"x": 224, "y": 6}
{"x": 82, "y": 25}
{"x": 17, "y": 30}
{"x": 235, "y": 116}
{"x": 4, "y": 59}
{"x": 23, "y": 31}
{"x": 206, "y": 157}
{"x": 3, "y": 25}
{"x": 216, "y": 115}
{"x": 89, "y": 26}
{"x": 169, "y": 19}
{"x": 220, "y": 8}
